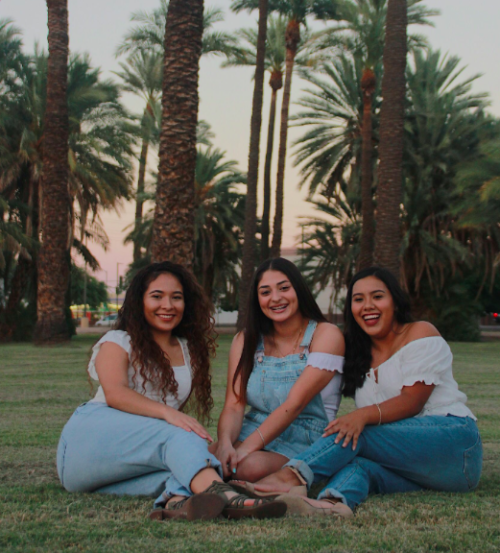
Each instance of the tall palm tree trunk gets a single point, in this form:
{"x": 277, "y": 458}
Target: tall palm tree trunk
{"x": 292, "y": 41}
{"x": 276, "y": 82}
{"x": 53, "y": 260}
{"x": 140, "y": 190}
{"x": 20, "y": 280}
{"x": 367, "y": 209}
{"x": 173, "y": 226}
{"x": 388, "y": 235}
{"x": 250, "y": 227}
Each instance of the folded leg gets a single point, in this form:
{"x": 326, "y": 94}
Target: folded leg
{"x": 362, "y": 477}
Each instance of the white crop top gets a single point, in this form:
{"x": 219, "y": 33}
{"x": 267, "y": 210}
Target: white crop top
{"x": 331, "y": 394}
{"x": 427, "y": 360}
{"x": 182, "y": 373}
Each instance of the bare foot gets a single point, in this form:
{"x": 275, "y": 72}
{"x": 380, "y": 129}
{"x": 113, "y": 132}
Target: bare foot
{"x": 282, "y": 481}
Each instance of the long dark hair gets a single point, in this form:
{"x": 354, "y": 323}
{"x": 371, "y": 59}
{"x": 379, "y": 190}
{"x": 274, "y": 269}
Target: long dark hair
{"x": 258, "y": 324}
{"x": 197, "y": 326}
{"x": 358, "y": 355}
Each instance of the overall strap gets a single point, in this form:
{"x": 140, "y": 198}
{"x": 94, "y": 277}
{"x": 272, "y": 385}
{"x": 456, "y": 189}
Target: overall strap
{"x": 308, "y": 335}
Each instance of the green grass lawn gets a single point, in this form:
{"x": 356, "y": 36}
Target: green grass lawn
{"x": 40, "y": 388}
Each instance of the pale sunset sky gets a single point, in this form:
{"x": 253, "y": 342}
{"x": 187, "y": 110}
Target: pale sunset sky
{"x": 466, "y": 29}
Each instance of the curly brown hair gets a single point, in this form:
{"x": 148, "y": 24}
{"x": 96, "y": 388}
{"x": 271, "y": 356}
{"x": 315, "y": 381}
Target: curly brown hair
{"x": 197, "y": 326}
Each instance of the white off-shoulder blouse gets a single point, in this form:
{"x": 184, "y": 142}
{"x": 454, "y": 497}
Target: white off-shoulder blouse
{"x": 182, "y": 373}
{"x": 428, "y": 360}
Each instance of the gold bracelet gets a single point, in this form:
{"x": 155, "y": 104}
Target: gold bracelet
{"x": 379, "y": 414}
{"x": 261, "y": 437}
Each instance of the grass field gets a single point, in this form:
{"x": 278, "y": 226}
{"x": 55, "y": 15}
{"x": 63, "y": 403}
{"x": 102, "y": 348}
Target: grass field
{"x": 40, "y": 388}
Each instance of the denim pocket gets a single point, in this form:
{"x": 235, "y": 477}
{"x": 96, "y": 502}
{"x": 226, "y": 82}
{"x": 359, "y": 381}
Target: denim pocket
{"x": 473, "y": 463}
{"x": 61, "y": 454}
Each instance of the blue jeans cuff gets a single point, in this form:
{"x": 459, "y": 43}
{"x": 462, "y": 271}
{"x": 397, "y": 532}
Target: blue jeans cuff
{"x": 303, "y": 469}
{"x": 174, "y": 487}
{"x": 330, "y": 493}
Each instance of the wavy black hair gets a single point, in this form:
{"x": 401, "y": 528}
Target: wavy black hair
{"x": 197, "y": 326}
{"x": 358, "y": 355}
{"x": 258, "y": 324}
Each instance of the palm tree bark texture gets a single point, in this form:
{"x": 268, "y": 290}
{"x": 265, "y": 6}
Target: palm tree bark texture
{"x": 173, "y": 227}
{"x": 292, "y": 39}
{"x": 140, "y": 190}
{"x": 53, "y": 260}
{"x": 389, "y": 195}
{"x": 365, "y": 260}
{"x": 275, "y": 82}
{"x": 250, "y": 228}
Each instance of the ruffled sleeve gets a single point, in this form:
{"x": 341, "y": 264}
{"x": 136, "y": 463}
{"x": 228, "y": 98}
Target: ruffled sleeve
{"x": 326, "y": 361}
{"x": 119, "y": 337}
{"x": 425, "y": 360}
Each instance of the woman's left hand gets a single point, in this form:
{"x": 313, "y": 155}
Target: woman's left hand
{"x": 349, "y": 427}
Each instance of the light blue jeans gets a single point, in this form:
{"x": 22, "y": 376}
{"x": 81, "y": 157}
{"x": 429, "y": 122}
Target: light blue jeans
{"x": 437, "y": 452}
{"x": 105, "y": 450}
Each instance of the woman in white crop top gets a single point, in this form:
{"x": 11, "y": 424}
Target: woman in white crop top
{"x": 133, "y": 438}
{"x": 411, "y": 430}
{"x": 287, "y": 367}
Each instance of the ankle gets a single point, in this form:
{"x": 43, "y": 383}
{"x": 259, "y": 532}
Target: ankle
{"x": 332, "y": 500}
{"x": 294, "y": 477}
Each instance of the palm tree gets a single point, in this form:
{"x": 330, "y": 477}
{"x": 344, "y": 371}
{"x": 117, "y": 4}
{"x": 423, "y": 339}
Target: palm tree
{"x": 173, "y": 228}
{"x": 219, "y": 221}
{"x": 390, "y": 171}
{"x": 333, "y": 111}
{"x": 449, "y": 216}
{"x": 444, "y": 124}
{"x": 331, "y": 241}
{"x": 53, "y": 261}
{"x": 296, "y": 11}
{"x": 275, "y": 65}
{"x": 142, "y": 75}
{"x": 478, "y": 205}
{"x": 147, "y": 39}
{"x": 149, "y": 34}
{"x": 248, "y": 264}
{"x": 362, "y": 32}
{"x": 99, "y": 161}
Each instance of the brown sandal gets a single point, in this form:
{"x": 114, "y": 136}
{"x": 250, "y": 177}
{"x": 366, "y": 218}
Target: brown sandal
{"x": 247, "y": 488}
{"x": 261, "y": 508}
{"x": 235, "y": 507}
{"x": 201, "y": 506}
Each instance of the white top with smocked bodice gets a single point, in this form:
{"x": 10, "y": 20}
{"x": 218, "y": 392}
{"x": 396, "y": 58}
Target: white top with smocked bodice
{"x": 183, "y": 373}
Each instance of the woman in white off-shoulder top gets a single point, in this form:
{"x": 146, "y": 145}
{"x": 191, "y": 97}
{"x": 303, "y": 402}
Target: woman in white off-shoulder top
{"x": 286, "y": 365}
{"x": 133, "y": 438}
{"x": 411, "y": 430}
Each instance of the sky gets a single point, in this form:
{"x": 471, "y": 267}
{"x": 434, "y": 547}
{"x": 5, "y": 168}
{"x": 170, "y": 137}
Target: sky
{"x": 466, "y": 29}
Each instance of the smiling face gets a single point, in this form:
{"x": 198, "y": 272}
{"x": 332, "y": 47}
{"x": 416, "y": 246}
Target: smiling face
{"x": 372, "y": 307}
{"x": 164, "y": 303}
{"x": 277, "y": 297}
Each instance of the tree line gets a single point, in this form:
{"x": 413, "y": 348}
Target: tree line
{"x": 400, "y": 158}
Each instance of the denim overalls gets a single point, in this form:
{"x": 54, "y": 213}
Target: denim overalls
{"x": 268, "y": 387}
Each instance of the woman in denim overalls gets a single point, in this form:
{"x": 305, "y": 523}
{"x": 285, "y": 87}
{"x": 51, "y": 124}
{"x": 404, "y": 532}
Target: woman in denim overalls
{"x": 286, "y": 365}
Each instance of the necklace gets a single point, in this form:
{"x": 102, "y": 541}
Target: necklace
{"x": 296, "y": 343}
